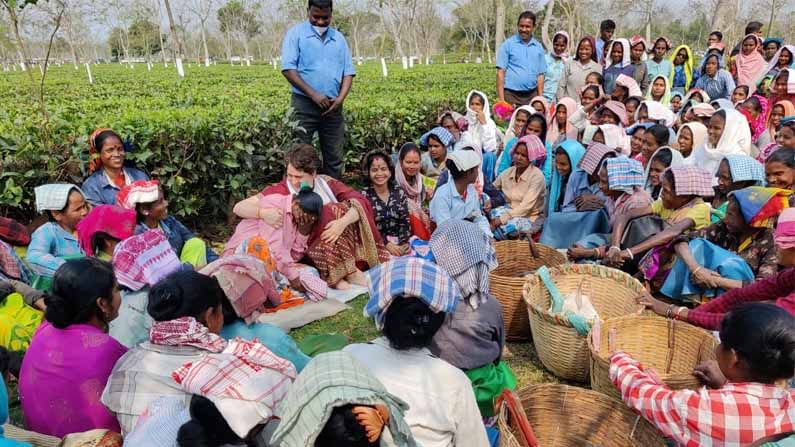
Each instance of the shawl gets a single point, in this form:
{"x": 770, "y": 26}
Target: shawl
{"x": 757, "y": 125}
{"x": 785, "y": 230}
{"x": 575, "y": 151}
{"x": 625, "y": 59}
{"x": 111, "y": 220}
{"x": 409, "y": 277}
{"x": 736, "y": 139}
{"x": 536, "y": 150}
{"x": 750, "y": 67}
{"x": 789, "y": 110}
{"x": 761, "y": 206}
{"x": 692, "y": 181}
{"x": 588, "y": 133}
{"x": 474, "y": 129}
{"x": 790, "y": 95}
{"x": 657, "y": 112}
{"x": 185, "y": 331}
{"x": 702, "y": 110}
{"x": 698, "y": 131}
{"x": 549, "y": 112}
{"x": 160, "y": 423}
{"x": 666, "y": 98}
{"x": 468, "y": 256}
{"x": 53, "y": 196}
{"x": 618, "y": 108}
{"x": 722, "y": 103}
{"x": 565, "y": 54}
{"x": 14, "y": 232}
{"x": 677, "y": 160}
{"x": 624, "y": 174}
{"x": 245, "y": 381}
{"x": 553, "y": 132}
{"x": 415, "y": 191}
{"x": 332, "y": 380}
{"x": 141, "y": 191}
{"x": 247, "y": 283}
{"x": 510, "y": 132}
{"x": 616, "y": 138}
{"x": 630, "y": 84}
{"x": 143, "y": 260}
{"x": 744, "y": 168}
{"x": 94, "y": 160}
{"x": 592, "y": 41}
{"x": 460, "y": 121}
{"x": 590, "y": 162}
{"x": 688, "y": 66}
{"x": 773, "y": 63}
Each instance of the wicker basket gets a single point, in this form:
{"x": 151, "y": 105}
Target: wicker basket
{"x": 672, "y": 348}
{"x": 561, "y": 349}
{"x": 508, "y": 278}
{"x": 569, "y": 416}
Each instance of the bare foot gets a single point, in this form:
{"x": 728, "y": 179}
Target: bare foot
{"x": 342, "y": 285}
{"x": 358, "y": 278}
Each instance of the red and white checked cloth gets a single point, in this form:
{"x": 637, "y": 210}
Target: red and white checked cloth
{"x": 245, "y": 382}
{"x": 737, "y": 414}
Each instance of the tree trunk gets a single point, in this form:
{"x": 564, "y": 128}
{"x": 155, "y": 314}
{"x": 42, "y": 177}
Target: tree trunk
{"x": 178, "y": 45}
{"x": 545, "y": 25}
{"x": 204, "y": 44}
{"x": 499, "y": 33}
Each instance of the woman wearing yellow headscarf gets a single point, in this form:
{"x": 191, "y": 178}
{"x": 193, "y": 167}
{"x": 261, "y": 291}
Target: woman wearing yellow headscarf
{"x": 682, "y": 75}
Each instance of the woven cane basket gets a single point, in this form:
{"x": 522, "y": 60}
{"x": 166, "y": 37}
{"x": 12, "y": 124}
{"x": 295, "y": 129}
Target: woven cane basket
{"x": 569, "y": 416}
{"x": 507, "y": 280}
{"x": 672, "y": 348}
{"x": 561, "y": 349}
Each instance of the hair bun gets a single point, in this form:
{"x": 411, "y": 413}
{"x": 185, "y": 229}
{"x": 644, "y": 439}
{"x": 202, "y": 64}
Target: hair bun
{"x": 60, "y": 311}
{"x": 165, "y": 300}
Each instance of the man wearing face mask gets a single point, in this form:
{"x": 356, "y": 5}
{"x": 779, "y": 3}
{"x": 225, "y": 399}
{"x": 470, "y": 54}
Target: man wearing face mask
{"x": 317, "y": 62}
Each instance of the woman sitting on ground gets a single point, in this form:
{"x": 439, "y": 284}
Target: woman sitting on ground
{"x": 536, "y": 125}
{"x": 665, "y": 157}
{"x": 756, "y": 111}
{"x": 56, "y": 241}
{"x": 780, "y": 171}
{"x": 12, "y": 269}
{"x": 443, "y": 410}
{"x": 517, "y": 127}
{"x": 453, "y": 122}
{"x": 149, "y": 202}
{"x": 107, "y": 172}
{"x": 690, "y": 136}
{"x": 779, "y": 111}
{"x": 345, "y": 234}
{"x": 523, "y": 188}
{"x": 71, "y": 355}
{"x": 437, "y": 142}
{"x": 735, "y": 172}
{"x": 389, "y": 201}
{"x": 560, "y": 128}
{"x": 728, "y": 134}
{"x": 458, "y": 198}
{"x": 481, "y": 132}
{"x": 418, "y": 188}
{"x": 660, "y": 90}
{"x": 756, "y": 353}
{"x": 567, "y": 156}
{"x": 337, "y": 401}
{"x": 779, "y": 288}
{"x": 103, "y": 228}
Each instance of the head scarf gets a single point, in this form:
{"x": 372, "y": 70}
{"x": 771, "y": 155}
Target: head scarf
{"x": 688, "y": 65}
{"x": 593, "y": 157}
{"x": 246, "y": 282}
{"x": 677, "y": 160}
{"x": 703, "y": 109}
{"x": 758, "y": 124}
{"x": 468, "y": 256}
{"x": 777, "y": 40}
{"x": 736, "y": 139}
{"x": 689, "y": 97}
{"x": 143, "y": 260}
{"x": 410, "y": 277}
{"x": 94, "y": 160}
{"x": 722, "y": 103}
{"x": 616, "y": 138}
{"x": 472, "y": 120}
{"x": 624, "y": 174}
{"x": 441, "y": 133}
{"x": 553, "y": 133}
{"x": 141, "y": 191}
{"x": 657, "y": 112}
{"x": 790, "y": 95}
{"x": 774, "y": 62}
{"x": 625, "y": 60}
{"x": 112, "y": 220}
{"x": 630, "y": 84}
{"x": 664, "y": 39}
{"x": 618, "y": 109}
{"x": 789, "y": 110}
{"x": 666, "y": 97}
{"x": 785, "y": 230}
{"x": 750, "y": 67}
{"x": 536, "y": 150}
{"x": 246, "y": 382}
{"x": 592, "y": 41}
{"x": 54, "y": 196}
{"x": 719, "y": 61}
{"x": 636, "y": 39}
{"x": 588, "y": 133}
{"x": 698, "y": 131}
{"x": 761, "y": 206}
{"x": 509, "y": 133}
{"x": 575, "y": 151}
{"x": 329, "y": 381}
{"x": 14, "y": 232}
{"x": 565, "y": 54}
{"x": 744, "y": 168}
{"x": 460, "y": 122}
{"x": 160, "y": 423}
{"x": 548, "y": 111}
{"x": 692, "y": 181}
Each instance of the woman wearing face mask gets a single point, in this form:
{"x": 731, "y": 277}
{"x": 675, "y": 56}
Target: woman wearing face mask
{"x": 728, "y": 133}
{"x": 572, "y": 79}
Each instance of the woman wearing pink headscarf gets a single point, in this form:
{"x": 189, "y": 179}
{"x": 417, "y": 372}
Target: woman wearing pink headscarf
{"x": 559, "y": 127}
{"x": 749, "y": 65}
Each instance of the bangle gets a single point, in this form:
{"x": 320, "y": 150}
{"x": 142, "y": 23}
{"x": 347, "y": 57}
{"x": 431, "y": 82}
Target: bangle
{"x": 696, "y": 270}
{"x": 613, "y": 247}
{"x": 679, "y": 311}
{"x": 596, "y": 252}
{"x": 630, "y": 254}
{"x": 669, "y": 312}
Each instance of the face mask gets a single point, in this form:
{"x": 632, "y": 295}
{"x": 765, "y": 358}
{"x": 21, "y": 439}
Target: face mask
{"x": 320, "y": 30}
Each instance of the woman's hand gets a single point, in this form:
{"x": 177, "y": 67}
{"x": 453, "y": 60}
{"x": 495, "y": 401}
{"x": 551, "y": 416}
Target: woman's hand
{"x": 333, "y": 231}
{"x": 272, "y": 216}
{"x": 397, "y": 250}
{"x": 487, "y": 205}
{"x": 296, "y": 285}
{"x": 657, "y": 306}
{"x": 577, "y": 252}
{"x": 481, "y": 117}
{"x": 706, "y": 278}
{"x": 588, "y": 202}
{"x": 494, "y": 224}
{"x": 709, "y": 374}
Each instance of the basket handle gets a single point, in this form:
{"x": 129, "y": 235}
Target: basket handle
{"x": 671, "y": 345}
{"x": 532, "y": 245}
{"x": 509, "y": 402}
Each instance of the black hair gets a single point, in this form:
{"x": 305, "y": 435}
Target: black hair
{"x": 367, "y": 162}
{"x": 342, "y": 428}
{"x": 704, "y": 68}
{"x": 184, "y": 293}
{"x": 309, "y": 201}
{"x": 477, "y": 95}
{"x": 527, "y": 15}
{"x": 634, "y": 99}
{"x": 763, "y": 336}
{"x": 207, "y": 426}
{"x": 754, "y": 101}
{"x": 594, "y": 88}
{"x": 664, "y": 156}
{"x": 99, "y": 240}
{"x": 669, "y": 175}
{"x": 409, "y": 147}
{"x": 303, "y": 157}
{"x": 753, "y": 27}
{"x": 747, "y": 90}
{"x": 538, "y": 118}
{"x": 661, "y": 134}
{"x": 785, "y": 156}
{"x": 607, "y": 25}
{"x": 410, "y": 323}
{"x": 103, "y": 136}
{"x": 320, "y": 4}
{"x": 10, "y": 362}
{"x": 599, "y": 78}
{"x": 75, "y": 288}
{"x": 718, "y": 34}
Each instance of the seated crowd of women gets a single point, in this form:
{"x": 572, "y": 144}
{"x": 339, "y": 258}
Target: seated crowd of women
{"x": 128, "y": 324}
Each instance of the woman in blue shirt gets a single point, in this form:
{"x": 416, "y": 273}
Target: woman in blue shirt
{"x": 107, "y": 173}
{"x": 715, "y": 81}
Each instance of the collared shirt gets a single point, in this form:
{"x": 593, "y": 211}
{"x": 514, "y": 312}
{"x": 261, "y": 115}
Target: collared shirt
{"x": 721, "y": 86}
{"x": 522, "y": 62}
{"x": 555, "y": 67}
{"x": 321, "y": 61}
{"x": 654, "y": 69}
{"x": 600, "y": 49}
{"x": 429, "y": 167}
{"x": 525, "y": 194}
{"x": 100, "y": 191}
{"x": 448, "y": 204}
{"x": 442, "y": 407}
{"x": 177, "y": 234}
{"x": 49, "y": 244}
{"x": 572, "y": 78}
{"x": 735, "y": 414}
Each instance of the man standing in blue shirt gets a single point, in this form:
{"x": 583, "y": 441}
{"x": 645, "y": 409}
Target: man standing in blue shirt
{"x": 317, "y": 62}
{"x": 606, "y": 30}
{"x": 521, "y": 64}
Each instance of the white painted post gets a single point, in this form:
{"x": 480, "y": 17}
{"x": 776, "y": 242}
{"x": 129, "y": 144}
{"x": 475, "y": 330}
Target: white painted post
{"x": 90, "y": 76}
{"x": 383, "y": 67}
{"x": 180, "y": 69}
{"x": 207, "y": 62}
{"x": 427, "y": 60}
{"x": 405, "y": 62}
{"x": 411, "y": 61}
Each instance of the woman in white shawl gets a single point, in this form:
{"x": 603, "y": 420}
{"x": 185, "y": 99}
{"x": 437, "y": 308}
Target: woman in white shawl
{"x": 481, "y": 132}
{"x": 654, "y": 112}
{"x": 728, "y": 133}
{"x": 660, "y": 90}
{"x": 663, "y": 158}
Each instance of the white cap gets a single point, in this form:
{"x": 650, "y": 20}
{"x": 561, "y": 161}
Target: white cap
{"x": 464, "y": 160}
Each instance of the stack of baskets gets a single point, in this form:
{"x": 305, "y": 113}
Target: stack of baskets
{"x": 507, "y": 280}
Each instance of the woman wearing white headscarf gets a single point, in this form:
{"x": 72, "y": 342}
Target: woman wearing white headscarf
{"x": 618, "y": 62}
{"x": 728, "y": 133}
